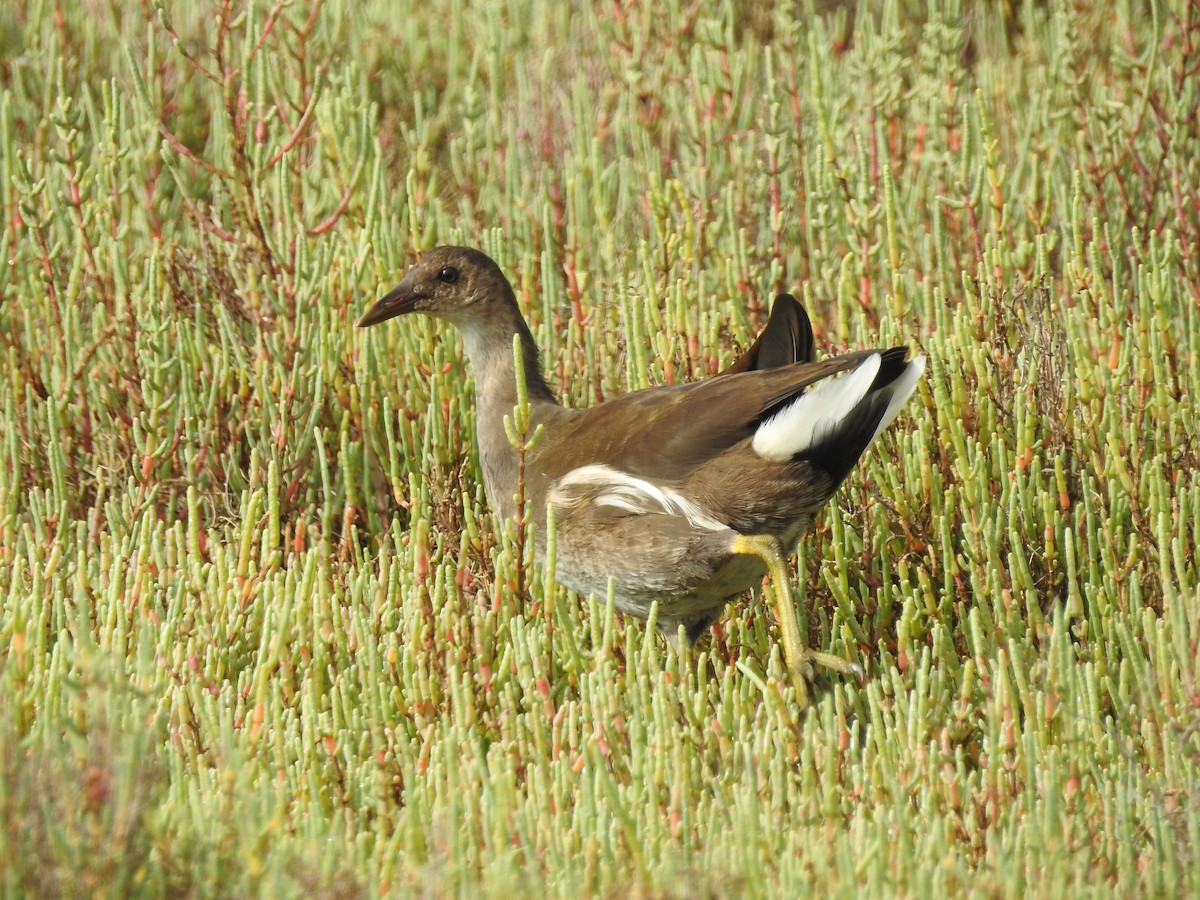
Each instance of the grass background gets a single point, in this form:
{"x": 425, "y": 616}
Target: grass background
{"x": 258, "y": 635}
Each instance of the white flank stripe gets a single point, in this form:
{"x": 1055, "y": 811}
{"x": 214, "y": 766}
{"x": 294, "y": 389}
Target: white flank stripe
{"x": 634, "y": 495}
{"x": 899, "y": 391}
{"x": 816, "y": 412}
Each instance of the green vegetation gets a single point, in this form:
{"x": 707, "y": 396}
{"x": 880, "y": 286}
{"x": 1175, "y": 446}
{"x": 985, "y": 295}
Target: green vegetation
{"x": 258, "y": 636}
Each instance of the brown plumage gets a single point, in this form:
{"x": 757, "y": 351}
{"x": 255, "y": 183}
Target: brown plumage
{"x": 682, "y": 495}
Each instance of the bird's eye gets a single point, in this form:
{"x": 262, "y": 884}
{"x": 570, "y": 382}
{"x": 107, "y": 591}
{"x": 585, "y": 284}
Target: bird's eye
{"x": 449, "y": 274}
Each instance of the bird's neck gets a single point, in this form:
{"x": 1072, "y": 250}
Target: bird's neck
{"x": 489, "y": 346}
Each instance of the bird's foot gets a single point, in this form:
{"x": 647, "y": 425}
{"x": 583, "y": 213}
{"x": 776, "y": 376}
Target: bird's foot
{"x": 810, "y": 659}
{"x": 803, "y": 664}
{"x": 801, "y": 661}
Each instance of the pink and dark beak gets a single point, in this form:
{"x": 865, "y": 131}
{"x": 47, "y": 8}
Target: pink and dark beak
{"x": 399, "y": 300}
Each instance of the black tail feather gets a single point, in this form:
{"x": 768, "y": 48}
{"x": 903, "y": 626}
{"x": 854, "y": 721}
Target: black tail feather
{"x": 788, "y": 337}
{"x": 838, "y": 451}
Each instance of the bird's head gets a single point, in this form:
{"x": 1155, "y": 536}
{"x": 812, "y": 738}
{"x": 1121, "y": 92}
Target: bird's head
{"x": 446, "y": 282}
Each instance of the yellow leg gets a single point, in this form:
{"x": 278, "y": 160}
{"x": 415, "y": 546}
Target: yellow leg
{"x": 800, "y": 659}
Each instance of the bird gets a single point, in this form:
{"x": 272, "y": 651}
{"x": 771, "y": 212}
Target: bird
{"x": 677, "y": 498}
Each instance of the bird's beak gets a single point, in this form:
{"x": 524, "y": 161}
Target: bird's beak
{"x": 396, "y": 302}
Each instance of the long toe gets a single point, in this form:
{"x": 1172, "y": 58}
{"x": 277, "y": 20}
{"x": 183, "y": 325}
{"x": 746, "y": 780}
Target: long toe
{"x": 829, "y": 661}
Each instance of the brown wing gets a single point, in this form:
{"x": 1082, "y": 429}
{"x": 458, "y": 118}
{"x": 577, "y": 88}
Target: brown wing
{"x": 666, "y": 433}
